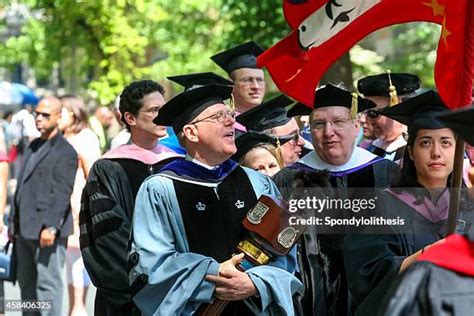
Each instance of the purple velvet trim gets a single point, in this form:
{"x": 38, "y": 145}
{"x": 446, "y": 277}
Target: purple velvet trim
{"x": 190, "y": 170}
{"x": 303, "y": 167}
{"x": 349, "y": 171}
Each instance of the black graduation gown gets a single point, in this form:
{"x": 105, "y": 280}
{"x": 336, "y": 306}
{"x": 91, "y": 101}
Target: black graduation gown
{"x": 427, "y": 288}
{"x": 373, "y": 261}
{"x": 109, "y": 198}
{"x": 376, "y": 175}
{"x": 320, "y": 256}
{"x": 220, "y": 240}
{"x": 382, "y": 153}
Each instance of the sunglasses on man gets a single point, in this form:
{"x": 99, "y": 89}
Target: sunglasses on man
{"x": 44, "y": 115}
{"x": 373, "y": 114}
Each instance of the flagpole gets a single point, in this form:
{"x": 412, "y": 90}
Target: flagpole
{"x": 456, "y": 182}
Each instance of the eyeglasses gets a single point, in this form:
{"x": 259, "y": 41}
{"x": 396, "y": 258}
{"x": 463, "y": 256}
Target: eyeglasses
{"x": 44, "y": 115}
{"x": 337, "y": 124}
{"x": 153, "y": 111}
{"x": 219, "y": 117}
{"x": 294, "y": 137}
{"x": 373, "y": 114}
{"x": 249, "y": 80}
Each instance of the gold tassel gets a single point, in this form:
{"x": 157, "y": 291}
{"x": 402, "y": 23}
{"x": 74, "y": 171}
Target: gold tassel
{"x": 354, "y": 105}
{"x": 392, "y": 91}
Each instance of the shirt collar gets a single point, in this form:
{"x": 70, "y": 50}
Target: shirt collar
{"x": 392, "y": 146}
{"x": 358, "y": 158}
{"x": 197, "y": 162}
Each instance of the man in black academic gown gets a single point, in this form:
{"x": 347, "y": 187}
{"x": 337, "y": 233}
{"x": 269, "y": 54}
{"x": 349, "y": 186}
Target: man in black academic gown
{"x": 109, "y": 197}
{"x": 334, "y": 128}
{"x": 271, "y": 118}
{"x": 387, "y": 90}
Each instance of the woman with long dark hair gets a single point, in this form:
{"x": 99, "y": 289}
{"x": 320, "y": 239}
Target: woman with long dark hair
{"x": 418, "y": 200}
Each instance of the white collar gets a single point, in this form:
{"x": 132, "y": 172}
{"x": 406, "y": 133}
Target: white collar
{"x": 397, "y": 143}
{"x": 359, "y": 157}
{"x": 201, "y": 163}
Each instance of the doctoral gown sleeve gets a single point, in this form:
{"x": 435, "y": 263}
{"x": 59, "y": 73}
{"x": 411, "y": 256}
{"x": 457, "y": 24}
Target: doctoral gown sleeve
{"x": 409, "y": 295}
{"x": 166, "y": 279}
{"x": 105, "y": 220}
{"x": 276, "y": 286}
{"x": 426, "y": 289}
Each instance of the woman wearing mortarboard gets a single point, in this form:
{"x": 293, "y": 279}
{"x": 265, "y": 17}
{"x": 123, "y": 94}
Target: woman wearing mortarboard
{"x": 420, "y": 197}
{"x": 443, "y": 273}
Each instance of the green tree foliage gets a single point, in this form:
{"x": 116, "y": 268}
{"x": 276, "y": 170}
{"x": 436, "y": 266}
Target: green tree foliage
{"x": 185, "y": 34}
{"x": 415, "y": 50}
{"x": 110, "y": 43}
{"x": 111, "y": 47}
{"x": 103, "y": 45}
{"x": 261, "y": 21}
{"x": 365, "y": 62}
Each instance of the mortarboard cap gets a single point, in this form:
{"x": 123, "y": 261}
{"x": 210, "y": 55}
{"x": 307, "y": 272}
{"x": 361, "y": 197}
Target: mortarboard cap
{"x": 184, "y": 107}
{"x": 242, "y": 56}
{"x": 194, "y": 80}
{"x": 269, "y": 114}
{"x": 379, "y": 85}
{"x": 461, "y": 122}
{"x": 418, "y": 112}
{"x": 330, "y": 95}
{"x": 251, "y": 139}
{"x": 299, "y": 109}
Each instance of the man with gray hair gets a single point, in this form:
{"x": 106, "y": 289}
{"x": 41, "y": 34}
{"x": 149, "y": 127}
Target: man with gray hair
{"x": 188, "y": 221}
{"x": 334, "y": 129}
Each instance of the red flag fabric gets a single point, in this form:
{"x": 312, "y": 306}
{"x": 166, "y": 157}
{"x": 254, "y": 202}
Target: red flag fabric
{"x": 324, "y": 30}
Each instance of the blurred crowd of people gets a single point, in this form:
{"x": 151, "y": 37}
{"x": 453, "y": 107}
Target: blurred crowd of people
{"x": 90, "y": 134}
